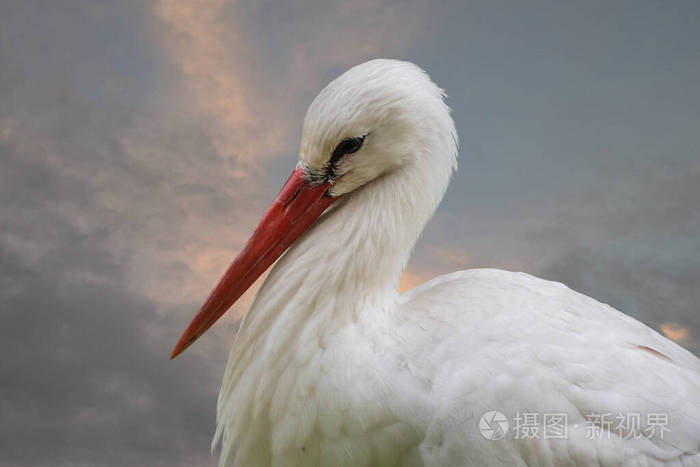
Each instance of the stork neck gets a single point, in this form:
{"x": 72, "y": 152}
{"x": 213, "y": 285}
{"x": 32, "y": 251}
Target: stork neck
{"x": 345, "y": 268}
{"x": 366, "y": 241}
{"x": 354, "y": 254}
{"x": 349, "y": 261}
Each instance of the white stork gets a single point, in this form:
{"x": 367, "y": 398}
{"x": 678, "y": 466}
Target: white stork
{"x": 332, "y": 366}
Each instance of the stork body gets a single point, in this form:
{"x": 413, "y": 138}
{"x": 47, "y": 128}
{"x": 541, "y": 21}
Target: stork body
{"x": 331, "y": 366}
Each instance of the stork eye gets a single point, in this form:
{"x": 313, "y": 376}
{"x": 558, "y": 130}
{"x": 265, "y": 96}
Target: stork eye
{"x": 347, "y": 146}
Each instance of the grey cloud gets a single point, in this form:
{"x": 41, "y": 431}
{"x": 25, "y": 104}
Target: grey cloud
{"x": 641, "y": 254}
{"x": 91, "y": 177}
{"x": 85, "y": 378}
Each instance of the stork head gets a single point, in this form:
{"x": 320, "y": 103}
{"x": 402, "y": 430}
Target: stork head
{"x": 376, "y": 118}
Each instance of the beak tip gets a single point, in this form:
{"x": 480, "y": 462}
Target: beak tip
{"x": 181, "y": 346}
{"x": 175, "y": 352}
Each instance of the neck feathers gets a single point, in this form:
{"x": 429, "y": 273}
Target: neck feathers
{"x": 349, "y": 261}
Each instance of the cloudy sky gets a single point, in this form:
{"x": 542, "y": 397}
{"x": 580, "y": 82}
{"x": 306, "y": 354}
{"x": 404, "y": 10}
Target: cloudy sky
{"x": 140, "y": 141}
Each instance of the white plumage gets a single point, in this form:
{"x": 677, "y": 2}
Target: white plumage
{"x": 331, "y": 366}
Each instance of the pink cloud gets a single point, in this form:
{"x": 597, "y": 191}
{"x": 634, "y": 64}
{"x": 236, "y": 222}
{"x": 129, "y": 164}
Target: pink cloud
{"x": 674, "y": 331}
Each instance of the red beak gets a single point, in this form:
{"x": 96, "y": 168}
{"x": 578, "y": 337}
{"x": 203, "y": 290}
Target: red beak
{"x": 293, "y": 211}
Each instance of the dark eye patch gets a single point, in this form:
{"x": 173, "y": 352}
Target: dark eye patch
{"x": 347, "y": 146}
